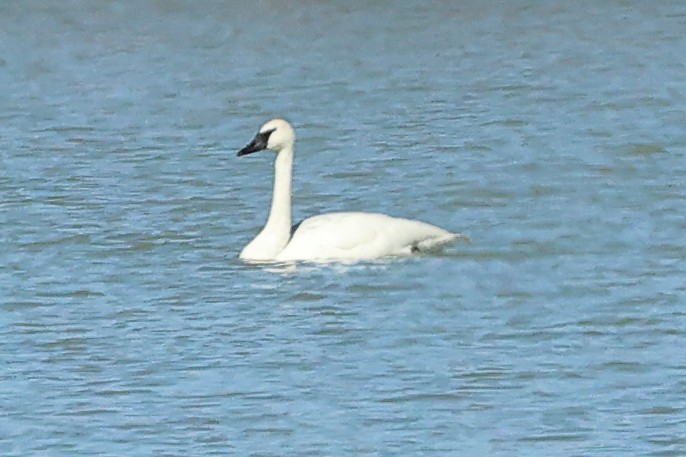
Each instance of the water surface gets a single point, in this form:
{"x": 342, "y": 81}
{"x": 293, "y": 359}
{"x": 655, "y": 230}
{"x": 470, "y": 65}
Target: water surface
{"x": 551, "y": 134}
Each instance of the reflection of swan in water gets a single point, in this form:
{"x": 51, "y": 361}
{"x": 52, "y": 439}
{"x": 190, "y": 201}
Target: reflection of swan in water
{"x": 331, "y": 236}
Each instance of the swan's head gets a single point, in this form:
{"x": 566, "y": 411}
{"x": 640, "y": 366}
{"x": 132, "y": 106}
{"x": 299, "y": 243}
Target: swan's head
{"x": 275, "y": 135}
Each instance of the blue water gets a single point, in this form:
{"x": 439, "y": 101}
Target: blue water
{"x": 552, "y": 134}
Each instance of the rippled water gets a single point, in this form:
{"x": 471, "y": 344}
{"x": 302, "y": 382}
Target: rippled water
{"x": 552, "y": 134}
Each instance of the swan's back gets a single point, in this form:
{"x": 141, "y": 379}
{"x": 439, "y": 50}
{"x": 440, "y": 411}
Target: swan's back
{"x": 361, "y": 236}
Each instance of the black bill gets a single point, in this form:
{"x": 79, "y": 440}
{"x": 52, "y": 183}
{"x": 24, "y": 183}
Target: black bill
{"x": 257, "y": 144}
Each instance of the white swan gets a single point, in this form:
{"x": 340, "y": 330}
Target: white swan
{"x": 332, "y": 236}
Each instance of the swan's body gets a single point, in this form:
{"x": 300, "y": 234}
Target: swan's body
{"x": 332, "y": 236}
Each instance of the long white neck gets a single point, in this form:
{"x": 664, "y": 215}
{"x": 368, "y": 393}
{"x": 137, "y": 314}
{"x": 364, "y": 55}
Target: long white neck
{"x": 277, "y": 231}
{"x": 280, "y": 212}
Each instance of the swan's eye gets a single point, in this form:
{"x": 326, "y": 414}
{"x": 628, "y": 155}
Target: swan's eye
{"x": 264, "y": 136}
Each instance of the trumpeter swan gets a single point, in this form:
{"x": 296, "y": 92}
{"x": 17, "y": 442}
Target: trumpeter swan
{"x": 331, "y": 236}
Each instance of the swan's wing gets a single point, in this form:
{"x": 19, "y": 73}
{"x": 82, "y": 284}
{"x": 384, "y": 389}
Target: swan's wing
{"x": 360, "y": 236}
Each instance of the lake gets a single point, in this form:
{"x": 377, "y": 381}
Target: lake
{"x": 552, "y": 134}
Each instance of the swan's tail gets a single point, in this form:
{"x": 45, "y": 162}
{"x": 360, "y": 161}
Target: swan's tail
{"x": 435, "y": 243}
